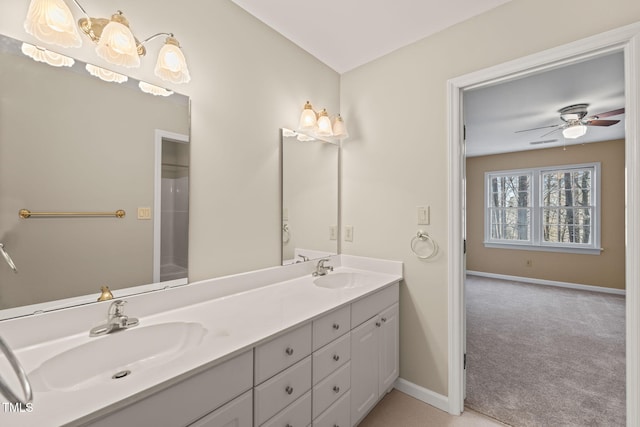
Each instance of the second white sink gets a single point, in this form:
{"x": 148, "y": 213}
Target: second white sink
{"x": 341, "y": 280}
{"x": 117, "y": 355}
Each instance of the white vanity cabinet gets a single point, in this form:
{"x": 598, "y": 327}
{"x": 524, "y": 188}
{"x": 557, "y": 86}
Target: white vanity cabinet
{"x": 190, "y": 401}
{"x": 374, "y": 350}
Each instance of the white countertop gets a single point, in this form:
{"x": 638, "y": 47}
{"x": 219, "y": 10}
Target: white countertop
{"x": 234, "y": 322}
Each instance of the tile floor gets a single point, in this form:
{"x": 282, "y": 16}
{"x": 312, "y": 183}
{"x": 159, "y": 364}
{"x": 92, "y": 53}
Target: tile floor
{"x": 397, "y": 409}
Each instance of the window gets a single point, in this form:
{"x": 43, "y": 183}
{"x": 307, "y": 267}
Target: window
{"x": 554, "y": 208}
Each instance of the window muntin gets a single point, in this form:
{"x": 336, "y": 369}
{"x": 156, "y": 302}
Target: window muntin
{"x": 546, "y": 208}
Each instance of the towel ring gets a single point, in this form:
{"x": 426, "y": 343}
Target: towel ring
{"x": 286, "y": 235}
{"x": 22, "y": 376}
{"x": 423, "y": 236}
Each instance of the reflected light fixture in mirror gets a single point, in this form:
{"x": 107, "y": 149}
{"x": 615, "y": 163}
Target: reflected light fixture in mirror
{"x": 575, "y": 131}
{"x": 106, "y": 75}
{"x": 51, "y": 21}
{"x": 319, "y": 125}
{"x": 43, "y": 55}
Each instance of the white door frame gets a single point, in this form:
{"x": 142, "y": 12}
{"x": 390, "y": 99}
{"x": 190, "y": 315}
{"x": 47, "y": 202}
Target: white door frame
{"x": 157, "y": 196}
{"x": 627, "y": 40}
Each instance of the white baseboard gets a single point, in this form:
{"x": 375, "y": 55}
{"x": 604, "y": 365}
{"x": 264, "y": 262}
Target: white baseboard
{"x": 549, "y": 283}
{"x": 427, "y": 396}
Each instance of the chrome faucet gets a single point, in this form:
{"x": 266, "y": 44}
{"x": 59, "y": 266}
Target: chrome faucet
{"x": 304, "y": 258}
{"x": 116, "y": 320}
{"x": 321, "y": 269}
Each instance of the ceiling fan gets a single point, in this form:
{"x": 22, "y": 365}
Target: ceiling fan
{"x": 576, "y": 121}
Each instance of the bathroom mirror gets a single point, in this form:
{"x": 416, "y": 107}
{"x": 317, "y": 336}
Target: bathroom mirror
{"x": 72, "y": 143}
{"x": 309, "y": 197}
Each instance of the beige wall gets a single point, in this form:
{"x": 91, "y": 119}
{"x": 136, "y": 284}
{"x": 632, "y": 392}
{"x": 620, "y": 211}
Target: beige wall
{"x": 396, "y": 158}
{"x": 606, "y": 269}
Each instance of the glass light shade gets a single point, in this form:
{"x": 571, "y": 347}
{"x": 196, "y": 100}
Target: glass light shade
{"x": 153, "y": 89}
{"x": 51, "y": 21}
{"x": 106, "y": 75}
{"x": 171, "y": 65}
{"x": 308, "y": 120}
{"x": 117, "y": 44}
{"x": 573, "y": 132}
{"x": 304, "y": 138}
{"x": 339, "y": 128}
{"x": 42, "y": 55}
{"x": 324, "y": 124}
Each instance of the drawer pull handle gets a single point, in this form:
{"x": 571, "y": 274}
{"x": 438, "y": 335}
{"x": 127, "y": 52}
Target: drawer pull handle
{"x": 336, "y": 357}
{"x": 336, "y": 326}
{"x": 378, "y": 324}
{"x": 289, "y": 351}
{"x": 336, "y": 389}
{"x": 384, "y": 319}
{"x": 289, "y": 389}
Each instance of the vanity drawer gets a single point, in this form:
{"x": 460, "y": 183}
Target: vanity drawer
{"x": 331, "y": 326}
{"x": 331, "y": 388}
{"x": 282, "y": 352}
{"x": 237, "y": 413}
{"x": 368, "y": 307}
{"x": 298, "y": 414}
{"x": 331, "y": 357}
{"x": 275, "y": 394}
{"x": 337, "y": 415}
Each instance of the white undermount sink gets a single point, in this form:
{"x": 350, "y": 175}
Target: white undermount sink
{"x": 114, "y": 356}
{"x": 341, "y": 280}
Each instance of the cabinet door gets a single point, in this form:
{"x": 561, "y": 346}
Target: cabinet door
{"x": 364, "y": 368}
{"x": 389, "y": 348}
{"x": 237, "y": 413}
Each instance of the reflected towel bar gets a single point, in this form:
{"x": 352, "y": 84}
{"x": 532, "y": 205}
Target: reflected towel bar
{"x": 26, "y": 213}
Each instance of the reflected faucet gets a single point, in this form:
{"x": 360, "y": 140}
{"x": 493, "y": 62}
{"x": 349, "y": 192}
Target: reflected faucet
{"x": 321, "y": 269}
{"x": 116, "y": 320}
{"x": 304, "y": 258}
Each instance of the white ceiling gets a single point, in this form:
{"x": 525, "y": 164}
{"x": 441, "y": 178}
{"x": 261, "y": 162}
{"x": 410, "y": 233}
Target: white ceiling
{"x": 492, "y": 115}
{"x": 347, "y": 34}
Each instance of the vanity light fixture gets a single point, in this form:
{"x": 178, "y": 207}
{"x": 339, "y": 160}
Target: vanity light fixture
{"x": 51, "y": 21}
{"x": 40, "y": 54}
{"x": 318, "y": 125}
{"x": 106, "y": 75}
{"x": 575, "y": 131}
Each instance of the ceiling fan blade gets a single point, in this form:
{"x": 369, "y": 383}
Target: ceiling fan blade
{"x": 555, "y": 130}
{"x": 607, "y": 114}
{"x": 541, "y": 127}
{"x": 602, "y": 122}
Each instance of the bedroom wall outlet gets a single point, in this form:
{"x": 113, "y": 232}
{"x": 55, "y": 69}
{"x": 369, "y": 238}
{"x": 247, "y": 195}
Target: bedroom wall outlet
{"x": 348, "y": 233}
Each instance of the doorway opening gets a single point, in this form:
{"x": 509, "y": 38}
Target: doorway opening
{"x": 171, "y": 207}
{"x": 625, "y": 40}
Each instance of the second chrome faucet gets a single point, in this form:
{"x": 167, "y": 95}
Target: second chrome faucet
{"x": 321, "y": 269}
{"x": 116, "y": 320}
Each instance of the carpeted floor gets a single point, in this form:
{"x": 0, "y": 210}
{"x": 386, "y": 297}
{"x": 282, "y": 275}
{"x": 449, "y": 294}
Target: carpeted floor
{"x": 545, "y": 356}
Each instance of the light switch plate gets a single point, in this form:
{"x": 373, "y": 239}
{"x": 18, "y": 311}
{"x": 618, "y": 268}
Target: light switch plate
{"x": 424, "y": 215}
{"x": 144, "y": 213}
{"x": 348, "y": 233}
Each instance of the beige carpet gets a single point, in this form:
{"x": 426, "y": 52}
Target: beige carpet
{"x": 545, "y": 356}
{"x": 397, "y": 409}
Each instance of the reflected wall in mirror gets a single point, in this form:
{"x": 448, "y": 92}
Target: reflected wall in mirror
{"x": 70, "y": 142}
{"x": 309, "y": 197}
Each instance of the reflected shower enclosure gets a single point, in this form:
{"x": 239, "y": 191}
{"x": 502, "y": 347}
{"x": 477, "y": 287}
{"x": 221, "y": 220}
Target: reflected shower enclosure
{"x": 174, "y": 210}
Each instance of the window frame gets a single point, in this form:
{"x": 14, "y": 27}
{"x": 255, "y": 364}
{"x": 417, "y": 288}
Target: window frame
{"x": 536, "y": 208}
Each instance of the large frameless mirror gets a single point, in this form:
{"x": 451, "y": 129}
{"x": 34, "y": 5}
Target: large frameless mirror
{"x": 77, "y": 153}
{"x": 309, "y": 197}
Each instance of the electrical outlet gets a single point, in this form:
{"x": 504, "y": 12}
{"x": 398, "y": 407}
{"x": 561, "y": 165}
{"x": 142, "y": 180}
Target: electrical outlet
{"x": 144, "y": 213}
{"x": 348, "y": 233}
{"x": 333, "y": 232}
